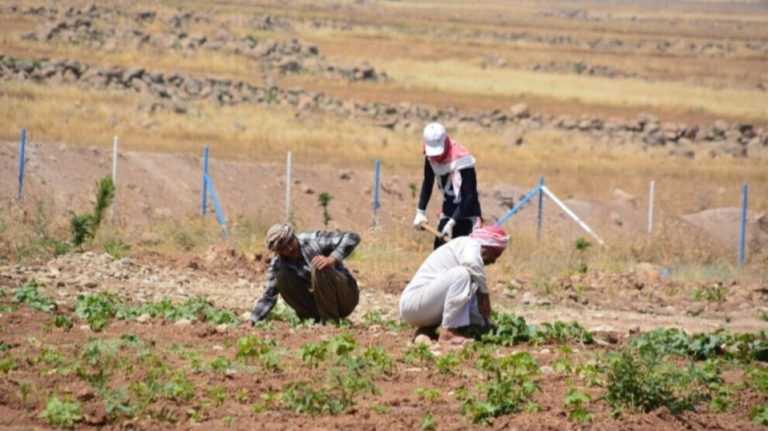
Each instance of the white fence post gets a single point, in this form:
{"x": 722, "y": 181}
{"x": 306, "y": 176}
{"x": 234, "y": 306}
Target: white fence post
{"x": 650, "y": 207}
{"x": 288, "y": 187}
{"x": 114, "y": 179}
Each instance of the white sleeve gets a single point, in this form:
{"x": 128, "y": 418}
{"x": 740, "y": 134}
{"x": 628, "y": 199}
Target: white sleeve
{"x": 470, "y": 258}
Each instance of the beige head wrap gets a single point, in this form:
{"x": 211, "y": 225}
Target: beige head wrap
{"x": 279, "y": 235}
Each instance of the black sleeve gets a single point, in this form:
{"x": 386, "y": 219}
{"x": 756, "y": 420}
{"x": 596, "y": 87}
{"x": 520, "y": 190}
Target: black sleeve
{"x": 426, "y": 185}
{"x": 468, "y": 192}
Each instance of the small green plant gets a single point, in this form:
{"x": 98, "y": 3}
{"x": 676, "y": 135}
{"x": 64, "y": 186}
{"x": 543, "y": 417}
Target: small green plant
{"x": 195, "y": 415}
{"x": 511, "y": 330}
{"x": 431, "y": 395}
{"x": 24, "y": 391}
{"x": 576, "y": 401}
{"x": 217, "y": 395}
{"x": 447, "y": 363}
{"x": 378, "y": 408}
{"x": 7, "y": 365}
{"x": 84, "y": 226}
{"x": 645, "y": 382}
{"x": 28, "y": 294}
{"x": 378, "y": 359}
{"x": 372, "y": 318}
{"x": 508, "y": 389}
{"x": 412, "y": 187}
{"x": 313, "y": 354}
{"x": 241, "y": 395}
{"x": 419, "y": 354}
{"x": 220, "y": 364}
{"x": 428, "y": 422}
{"x": 324, "y": 199}
{"x": 711, "y": 293}
{"x": 759, "y": 414}
{"x": 117, "y": 248}
{"x": 581, "y": 244}
{"x": 61, "y": 413}
{"x": 63, "y": 321}
{"x": 98, "y": 309}
{"x": 342, "y": 345}
{"x": 228, "y": 421}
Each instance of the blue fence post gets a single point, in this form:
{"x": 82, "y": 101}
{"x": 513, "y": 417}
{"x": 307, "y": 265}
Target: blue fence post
{"x": 205, "y": 183}
{"x": 519, "y": 205}
{"x": 217, "y": 207}
{"x": 377, "y": 169}
{"x": 538, "y": 217}
{"x": 22, "y": 151}
{"x": 743, "y": 238}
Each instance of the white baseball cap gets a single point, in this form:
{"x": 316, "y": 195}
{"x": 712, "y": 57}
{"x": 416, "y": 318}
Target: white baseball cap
{"x": 434, "y": 139}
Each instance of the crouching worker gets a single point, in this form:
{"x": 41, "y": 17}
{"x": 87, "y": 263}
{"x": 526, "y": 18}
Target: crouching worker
{"x": 449, "y": 289}
{"x": 308, "y": 273}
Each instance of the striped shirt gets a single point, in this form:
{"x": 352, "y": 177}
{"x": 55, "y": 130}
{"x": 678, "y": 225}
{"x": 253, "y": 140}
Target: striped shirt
{"x": 337, "y": 245}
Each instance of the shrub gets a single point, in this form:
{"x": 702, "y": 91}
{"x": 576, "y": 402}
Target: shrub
{"x": 646, "y": 382}
{"x": 84, "y": 226}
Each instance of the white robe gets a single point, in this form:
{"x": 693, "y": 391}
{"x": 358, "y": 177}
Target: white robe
{"x": 443, "y": 289}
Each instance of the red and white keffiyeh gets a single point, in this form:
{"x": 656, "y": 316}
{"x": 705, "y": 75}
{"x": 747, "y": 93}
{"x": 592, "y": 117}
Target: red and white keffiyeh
{"x": 491, "y": 236}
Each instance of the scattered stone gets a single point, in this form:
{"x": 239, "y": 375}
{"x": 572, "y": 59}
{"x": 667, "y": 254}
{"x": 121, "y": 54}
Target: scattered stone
{"x": 182, "y": 323}
{"x": 422, "y": 339}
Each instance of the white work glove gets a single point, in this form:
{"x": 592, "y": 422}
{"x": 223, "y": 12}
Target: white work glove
{"x": 448, "y": 228}
{"x": 420, "y": 218}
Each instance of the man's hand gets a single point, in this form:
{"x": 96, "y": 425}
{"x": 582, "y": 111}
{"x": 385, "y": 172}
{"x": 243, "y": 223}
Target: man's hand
{"x": 448, "y": 228}
{"x": 484, "y": 305}
{"x": 420, "y": 218}
{"x": 321, "y": 262}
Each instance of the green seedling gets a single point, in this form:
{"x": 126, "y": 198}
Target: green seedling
{"x": 324, "y": 199}
{"x": 576, "y": 402}
{"x": 117, "y": 248}
{"x": 28, "y": 294}
{"x": 98, "y": 309}
{"x": 63, "y": 321}
{"x": 431, "y": 395}
{"x": 508, "y": 390}
{"x": 428, "y": 422}
{"x": 62, "y": 413}
{"x": 419, "y": 354}
{"x": 447, "y": 363}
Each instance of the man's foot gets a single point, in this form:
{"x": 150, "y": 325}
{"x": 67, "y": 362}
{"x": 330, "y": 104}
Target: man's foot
{"x": 452, "y": 337}
{"x": 429, "y": 331}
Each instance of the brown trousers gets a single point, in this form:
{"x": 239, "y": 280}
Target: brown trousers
{"x": 330, "y": 296}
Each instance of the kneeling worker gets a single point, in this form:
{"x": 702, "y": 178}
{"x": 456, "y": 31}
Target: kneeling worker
{"x": 308, "y": 273}
{"x": 449, "y": 289}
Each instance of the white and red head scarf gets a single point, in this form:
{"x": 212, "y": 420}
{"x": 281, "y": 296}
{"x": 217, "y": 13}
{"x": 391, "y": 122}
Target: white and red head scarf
{"x": 455, "y": 158}
{"x": 491, "y": 236}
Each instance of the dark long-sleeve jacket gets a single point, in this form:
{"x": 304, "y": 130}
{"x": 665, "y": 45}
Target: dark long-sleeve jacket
{"x": 467, "y": 204}
{"x": 338, "y": 245}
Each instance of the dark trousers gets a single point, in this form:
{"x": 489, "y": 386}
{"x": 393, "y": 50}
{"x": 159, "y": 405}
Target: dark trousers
{"x": 463, "y": 227}
{"x": 330, "y": 296}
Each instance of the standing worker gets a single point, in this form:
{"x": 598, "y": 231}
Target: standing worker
{"x": 456, "y": 181}
{"x": 308, "y": 273}
{"x": 450, "y": 289}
